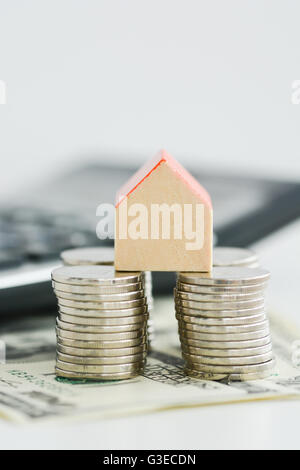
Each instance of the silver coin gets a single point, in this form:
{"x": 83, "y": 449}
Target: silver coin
{"x": 99, "y": 353}
{"x": 192, "y": 337}
{"x": 97, "y": 290}
{"x": 228, "y": 377}
{"x": 87, "y": 376}
{"x": 226, "y": 345}
{"x": 215, "y": 369}
{"x": 126, "y": 343}
{"x": 220, "y": 329}
{"x": 100, "y": 369}
{"x": 227, "y": 352}
{"x": 194, "y": 288}
{"x": 100, "y": 336}
{"x": 101, "y": 360}
{"x": 105, "y": 321}
{"x": 89, "y": 255}
{"x": 220, "y": 305}
{"x": 226, "y": 275}
{"x": 94, "y": 275}
{"x": 100, "y": 329}
{"x": 101, "y": 313}
{"x": 217, "y": 297}
{"x": 252, "y": 265}
{"x": 232, "y": 256}
{"x": 220, "y": 313}
{"x": 125, "y": 304}
{"x": 227, "y": 361}
{"x": 231, "y": 321}
{"x": 100, "y": 298}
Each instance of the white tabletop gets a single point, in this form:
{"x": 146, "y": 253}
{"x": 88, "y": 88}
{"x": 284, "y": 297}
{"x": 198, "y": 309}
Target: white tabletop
{"x": 256, "y": 425}
{"x": 265, "y": 425}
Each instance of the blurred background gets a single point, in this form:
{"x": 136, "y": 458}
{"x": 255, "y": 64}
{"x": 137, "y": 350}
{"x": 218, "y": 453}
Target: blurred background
{"x": 96, "y": 87}
{"x": 210, "y": 81}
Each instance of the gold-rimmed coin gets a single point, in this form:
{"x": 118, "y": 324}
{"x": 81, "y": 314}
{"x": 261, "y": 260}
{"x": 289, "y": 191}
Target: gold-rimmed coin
{"x": 98, "y": 377}
{"x": 230, "y": 321}
{"x": 220, "y": 329}
{"x": 102, "y": 255}
{"x": 230, "y": 361}
{"x": 102, "y": 313}
{"x": 227, "y": 289}
{"x": 111, "y": 352}
{"x": 226, "y": 276}
{"x": 123, "y": 304}
{"x": 210, "y": 344}
{"x": 104, "y": 321}
{"x": 227, "y": 352}
{"x": 228, "y": 377}
{"x": 95, "y": 275}
{"x": 220, "y": 313}
{"x": 233, "y": 256}
{"x": 128, "y": 343}
{"x": 97, "y": 290}
{"x": 100, "y": 329}
{"x": 234, "y": 369}
{"x": 100, "y": 369}
{"x": 105, "y": 360}
{"x": 220, "y": 305}
{"x": 101, "y": 297}
{"x": 217, "y": 297}
{"x": 100, "y": 336}
{"x": 192, "y": 337}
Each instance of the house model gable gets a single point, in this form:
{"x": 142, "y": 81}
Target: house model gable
{"x": 150, "y": 166}
{"x": 163, "y": 220}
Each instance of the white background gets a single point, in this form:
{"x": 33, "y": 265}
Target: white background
{"x": 210, "y": 81}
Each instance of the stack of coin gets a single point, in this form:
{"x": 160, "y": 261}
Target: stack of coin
{"x": 102, "y": 255}
{"x": 223, "y": 326}
{"x": 232, "y": 256}
{"x": 102, "y": 321}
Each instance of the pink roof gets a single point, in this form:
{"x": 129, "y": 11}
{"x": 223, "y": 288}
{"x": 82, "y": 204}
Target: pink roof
{"x": 151, "y": 166}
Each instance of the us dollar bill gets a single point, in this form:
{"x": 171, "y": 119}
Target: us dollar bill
{"x": 30, "y": 391}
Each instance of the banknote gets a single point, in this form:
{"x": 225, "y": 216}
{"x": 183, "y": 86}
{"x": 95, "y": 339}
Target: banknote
{"x": 30, "y": 391}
